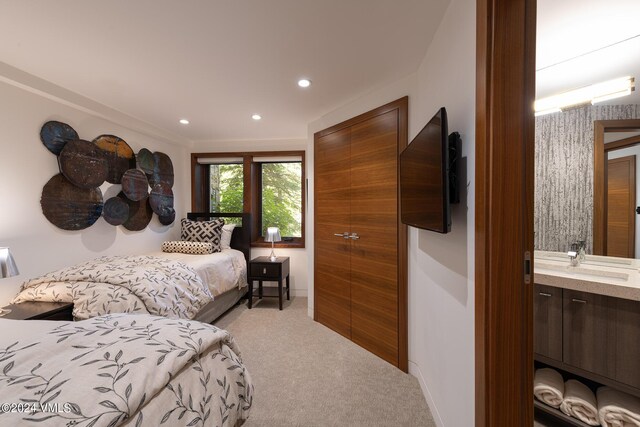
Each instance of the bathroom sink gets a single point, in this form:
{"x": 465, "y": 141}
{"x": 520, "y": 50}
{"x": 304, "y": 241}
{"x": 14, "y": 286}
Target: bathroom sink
{"x": 590, "y": 260}
{"x": 602, "y": 275}
{"x": 584, "y": 272}
{"x": 552, "y": 256}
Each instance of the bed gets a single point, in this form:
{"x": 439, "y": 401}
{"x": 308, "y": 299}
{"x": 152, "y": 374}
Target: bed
{"x": 121, "y": 369}
{"x": 240, "y": 242}
{"x": 173, "y": 285}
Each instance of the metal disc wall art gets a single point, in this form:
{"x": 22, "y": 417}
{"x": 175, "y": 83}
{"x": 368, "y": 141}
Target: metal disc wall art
{"x": 145, "y": 161}
{"x": 140, "y": 214}
{"x": 169, "y": 218}
{"x": 72, "y": 200}
{"x": 119, "y": 156}
{"x": 54, "y": 135}
{"x": 116, "y": 211}
{"x": 161, "y": 199}
{"x": 135, "y": 185}
{"x": 162, "y": 170}
{"x": 82, "y": 163}
{"x": 69, "y": 207}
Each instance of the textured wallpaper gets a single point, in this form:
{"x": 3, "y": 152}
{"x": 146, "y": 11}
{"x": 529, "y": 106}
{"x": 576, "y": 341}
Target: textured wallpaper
{"x": 563, "y": 211}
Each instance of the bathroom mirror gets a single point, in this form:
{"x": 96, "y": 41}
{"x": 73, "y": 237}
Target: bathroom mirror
{"x": 573, "y": 181}
{"x": 581, "y": 43}
{"x": 616, "y": 215}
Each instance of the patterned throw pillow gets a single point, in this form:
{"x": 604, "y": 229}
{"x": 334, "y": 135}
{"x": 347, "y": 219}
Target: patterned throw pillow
{"x": 192, "y": 248}
{"x": 203, "y": 231}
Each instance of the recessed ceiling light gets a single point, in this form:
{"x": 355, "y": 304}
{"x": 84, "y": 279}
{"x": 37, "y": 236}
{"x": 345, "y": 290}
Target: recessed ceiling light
{"x": 184, "y": 121}
{"x": 304, "y": 82}
{"x": 256, "y": 117}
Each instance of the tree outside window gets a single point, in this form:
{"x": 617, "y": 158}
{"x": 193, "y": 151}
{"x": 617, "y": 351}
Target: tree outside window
{"x": 270, "y": 182}
{"x": 226, "y": 190}
{"x": 281, "y": 194}
{"x": 282, "y": 198}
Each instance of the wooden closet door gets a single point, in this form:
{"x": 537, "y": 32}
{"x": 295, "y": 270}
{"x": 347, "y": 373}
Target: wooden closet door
{"x": 374, "y": 218}
{"x": 332, "y": 216}
{"x": 360, "y": 284}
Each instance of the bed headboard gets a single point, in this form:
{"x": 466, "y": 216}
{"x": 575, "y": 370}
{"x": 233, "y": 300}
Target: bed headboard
{"x": 241, "y": 237}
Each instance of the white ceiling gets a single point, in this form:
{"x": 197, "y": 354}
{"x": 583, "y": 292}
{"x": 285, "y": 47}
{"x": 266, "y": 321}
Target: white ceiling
{"x": 216, "y": 62}
{"x": 568, "y": 30}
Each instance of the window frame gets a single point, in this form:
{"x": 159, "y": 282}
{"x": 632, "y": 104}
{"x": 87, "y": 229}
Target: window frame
{"x": 252, "y": 190}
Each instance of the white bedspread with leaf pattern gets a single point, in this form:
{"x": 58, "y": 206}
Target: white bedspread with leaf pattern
{"x": 121, "y": 369}
{"x": 122, "y": 284}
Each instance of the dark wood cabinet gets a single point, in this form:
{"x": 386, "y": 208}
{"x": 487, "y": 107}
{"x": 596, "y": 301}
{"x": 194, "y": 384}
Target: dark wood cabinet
{"x": 592, "y": 335}
{"x": 589, "y": 332}
{"x": 547, "y": 321}
{"x": 263, "y": 269}
{"x": 37, "y": 310}
{"x": 602, "y": 335}
{"x": 587, "y": 336}
{"x": 627, "y": 341}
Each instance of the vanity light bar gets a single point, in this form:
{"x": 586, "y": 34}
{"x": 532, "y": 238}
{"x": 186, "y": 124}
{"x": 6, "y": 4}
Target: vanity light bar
{"x": 592, "y": 94}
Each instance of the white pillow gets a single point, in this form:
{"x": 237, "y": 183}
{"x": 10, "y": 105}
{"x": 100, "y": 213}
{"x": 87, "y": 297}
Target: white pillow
{"x": 225, "y": 239}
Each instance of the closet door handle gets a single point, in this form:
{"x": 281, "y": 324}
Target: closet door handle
{"x": 581, "y": 301}
{"x": 344, "y": 235}
{"x": 354, "y": 236}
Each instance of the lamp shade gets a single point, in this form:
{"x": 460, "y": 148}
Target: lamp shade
{"x": 8, "y": 266}
{"x": 273, "y": 235}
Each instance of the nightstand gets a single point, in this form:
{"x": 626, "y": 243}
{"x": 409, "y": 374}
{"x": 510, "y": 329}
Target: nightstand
{"x": 37, "y": 310}
{"x": 263, "y": 269}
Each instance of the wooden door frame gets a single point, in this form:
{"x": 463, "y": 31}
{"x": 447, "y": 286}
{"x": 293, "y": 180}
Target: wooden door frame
{"x": 402, "y": 106}
{"x": 505, "y": 91}
{"x": 600, "y": 127}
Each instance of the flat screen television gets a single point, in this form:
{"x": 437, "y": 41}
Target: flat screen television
{"x": 428, "y": 176}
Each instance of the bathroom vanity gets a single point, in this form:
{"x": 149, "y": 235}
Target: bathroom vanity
{"x": 587, "y": 319}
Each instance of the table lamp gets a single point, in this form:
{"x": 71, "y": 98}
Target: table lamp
{"x": 273, "y": 235}
{"x": 8, "y": 268}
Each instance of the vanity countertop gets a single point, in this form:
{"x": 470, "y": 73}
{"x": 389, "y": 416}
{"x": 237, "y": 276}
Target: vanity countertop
{"x": 611, "y": 276}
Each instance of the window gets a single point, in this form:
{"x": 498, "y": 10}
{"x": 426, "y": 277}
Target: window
{"x": 226, "y": 189}
{"x": 270, "y": 186}
{"x": 282, "y": 197}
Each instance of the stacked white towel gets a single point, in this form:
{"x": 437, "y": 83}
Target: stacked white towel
{"x": 617, "y": 409}
{"x": 548, "y": 386}
{"x": 580, "y": 402}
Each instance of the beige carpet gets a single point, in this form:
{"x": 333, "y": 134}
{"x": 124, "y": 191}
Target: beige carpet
{"x": 307, "y": 375}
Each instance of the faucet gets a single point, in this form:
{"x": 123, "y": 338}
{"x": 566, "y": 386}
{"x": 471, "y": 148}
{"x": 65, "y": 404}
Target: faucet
{"x": 577, "y": 252}
{"x": 582, "y": 250}
{"x": 574, "y": 256}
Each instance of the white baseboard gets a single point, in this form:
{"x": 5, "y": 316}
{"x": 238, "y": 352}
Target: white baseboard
{"x": 414, "y": 370}
{"x": 302, "y": 293}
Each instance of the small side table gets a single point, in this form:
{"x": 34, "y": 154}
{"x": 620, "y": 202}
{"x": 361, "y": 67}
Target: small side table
{"x": 38, "y": 310}
{"x": 263, "y": 269}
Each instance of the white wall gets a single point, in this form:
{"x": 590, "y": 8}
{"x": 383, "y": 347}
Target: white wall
{"x": 26, "y": 166}
{"x": 441, "y": 267}
{"x": 631, "y": 151}
{"x": 298, "y": 261}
